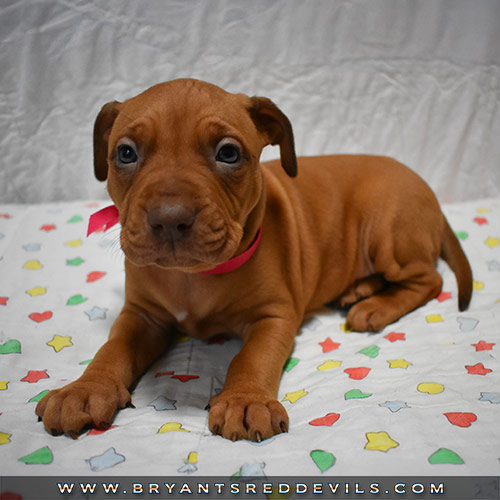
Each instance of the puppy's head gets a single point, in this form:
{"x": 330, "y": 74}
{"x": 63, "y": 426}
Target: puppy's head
{"x": 182, "y": 164}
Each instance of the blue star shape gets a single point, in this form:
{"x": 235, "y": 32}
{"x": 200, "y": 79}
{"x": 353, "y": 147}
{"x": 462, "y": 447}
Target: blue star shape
{"x": 108, "y": 459}
{"x": 492, "y": 397}
{"x": 32, "y": 247}
{"x": 96, "y": 313}
{"x": 162, "y": 403}
{"x": 394, "y": 406}
{"x": 493, "y": 265}
{"x": 188, "y": 468}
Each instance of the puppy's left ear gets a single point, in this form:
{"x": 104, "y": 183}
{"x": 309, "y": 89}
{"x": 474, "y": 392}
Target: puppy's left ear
{"x": 277, "y": 129}
{"x": 102, "y": 129}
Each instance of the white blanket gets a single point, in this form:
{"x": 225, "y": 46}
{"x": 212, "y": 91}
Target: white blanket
{"x": 420, "y": 397}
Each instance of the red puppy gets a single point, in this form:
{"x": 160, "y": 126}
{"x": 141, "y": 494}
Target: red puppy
{"x": 182, "y": 164}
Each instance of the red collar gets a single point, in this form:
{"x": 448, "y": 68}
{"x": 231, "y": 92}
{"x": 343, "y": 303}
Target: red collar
{"x": 109, "y": 216}
{"x": 236, "y": 262}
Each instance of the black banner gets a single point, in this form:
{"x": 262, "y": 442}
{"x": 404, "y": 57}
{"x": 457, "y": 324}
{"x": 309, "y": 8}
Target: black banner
{"x": 126, "y": 487}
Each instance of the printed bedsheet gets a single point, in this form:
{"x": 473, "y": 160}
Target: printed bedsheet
{"x": 420, "y": 397}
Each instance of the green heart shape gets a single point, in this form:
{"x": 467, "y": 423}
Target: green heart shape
{"x": 462, "y": 235}
{"x": 42, "y": 456}
{"x": 11, "y": 347}
{"x": 39, "y": 396}
{"x": 356, "y": 394}
{"x": 75, "y": 218}
{"x": 291, "y": 363}
{"x": 74, "y": 262}
{"x": 323, "y": 459}
{"x": 75, "y": 300}
{"x": 370, "y": 351}
{"x": 445, "y": 456}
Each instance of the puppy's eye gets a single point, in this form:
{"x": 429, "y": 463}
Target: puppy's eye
{"x": 228, "y": 153}
{"x": 126, "y": 154}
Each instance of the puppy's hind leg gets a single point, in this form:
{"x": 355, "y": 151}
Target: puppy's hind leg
{"x": 398, "y": 299}
{"x": 362, "y": 289}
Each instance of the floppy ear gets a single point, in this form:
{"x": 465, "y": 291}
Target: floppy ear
{"x": 277, "y": 129}
{"x": 102, "y": 128}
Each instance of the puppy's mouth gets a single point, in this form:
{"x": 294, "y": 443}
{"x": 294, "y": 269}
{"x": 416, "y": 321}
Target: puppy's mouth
{"x": 178, "y": 239}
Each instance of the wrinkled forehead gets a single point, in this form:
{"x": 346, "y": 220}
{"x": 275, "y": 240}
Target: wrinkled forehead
{"x": 183, "y": 107}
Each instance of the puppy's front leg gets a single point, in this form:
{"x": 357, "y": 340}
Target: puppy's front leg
{"x": 135, "y": 341}
{"x": 247, "y": 407}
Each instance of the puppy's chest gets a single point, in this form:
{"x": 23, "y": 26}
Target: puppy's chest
{"x": 201, "y": 324}
{"x": 198, "y": 312}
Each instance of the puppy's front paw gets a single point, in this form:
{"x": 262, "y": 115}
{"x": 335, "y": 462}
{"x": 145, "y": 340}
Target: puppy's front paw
{"x": 81, "y": 404}
{"x": 253, "y": 416}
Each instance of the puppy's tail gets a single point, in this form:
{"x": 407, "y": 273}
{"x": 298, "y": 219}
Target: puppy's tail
{"x": 452, "y": 253}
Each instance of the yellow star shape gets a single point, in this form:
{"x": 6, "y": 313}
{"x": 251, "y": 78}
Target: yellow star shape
{"x": 74, "y": 243}
{"x": 293, "y": 397}
{"x": 477, "y": 285}
{"x": 5, "y": 438}
{"x": 37, "y": 290}
{"x": 399, "y": 363}
{"x": 58, "y": 342}
{"x": 380, "y": 441}
{"x": 3, "y": 385}
{"x": 492, "y": 242}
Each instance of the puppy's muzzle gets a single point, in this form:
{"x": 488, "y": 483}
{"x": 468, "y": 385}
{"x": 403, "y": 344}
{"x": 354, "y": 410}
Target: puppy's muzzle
{"x": 171, "y": 222}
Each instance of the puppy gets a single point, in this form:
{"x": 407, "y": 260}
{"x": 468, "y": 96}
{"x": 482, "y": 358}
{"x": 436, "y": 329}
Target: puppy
{"x": 215, "y": 243}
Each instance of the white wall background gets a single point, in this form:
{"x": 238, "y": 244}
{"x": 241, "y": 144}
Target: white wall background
{"x": 418, "y": 80}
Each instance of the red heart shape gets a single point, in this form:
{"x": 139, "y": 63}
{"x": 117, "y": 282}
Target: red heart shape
{"x": 357, "y": 373}
{"x": 95, "y": 432}
{"x": 94, "y": 276}
{"x": 461, "y": 419}
{"x": 39, "y": 317}
{"x": 328, "y": 419}
{"x": 185, "y": 378}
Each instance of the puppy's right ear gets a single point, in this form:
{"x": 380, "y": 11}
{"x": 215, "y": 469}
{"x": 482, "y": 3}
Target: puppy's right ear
{"x": 102, "y": 129}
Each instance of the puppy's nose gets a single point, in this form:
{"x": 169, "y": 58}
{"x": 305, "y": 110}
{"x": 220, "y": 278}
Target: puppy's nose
{"x": 170, "y": 222}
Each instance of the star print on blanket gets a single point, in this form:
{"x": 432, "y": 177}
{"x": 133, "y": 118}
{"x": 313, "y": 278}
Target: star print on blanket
{"x": 420, "y": 397}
